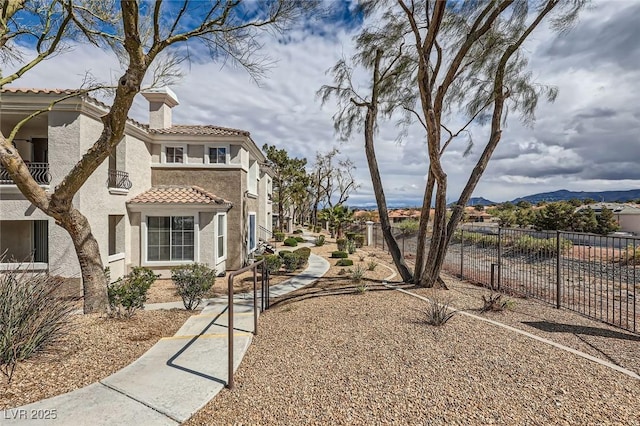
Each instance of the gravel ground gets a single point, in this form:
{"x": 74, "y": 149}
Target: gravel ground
{"x": 328, "y": 355}
{"x": 94, "y": 348}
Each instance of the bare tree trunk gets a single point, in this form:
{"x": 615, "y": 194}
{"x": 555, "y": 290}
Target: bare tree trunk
{"x": 370, "y": 121}
{"x": 423, "y": 226}
{"x": 94, "y": 280}
{"x": 437, "y": 248}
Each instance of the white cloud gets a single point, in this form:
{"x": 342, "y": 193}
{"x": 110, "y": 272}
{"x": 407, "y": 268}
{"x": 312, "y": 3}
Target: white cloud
{"x": 283, "y": 110}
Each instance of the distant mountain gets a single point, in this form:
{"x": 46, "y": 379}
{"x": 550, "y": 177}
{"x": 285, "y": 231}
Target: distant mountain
{"x": 564, "y": 195}
{"x": 480, "y": 201}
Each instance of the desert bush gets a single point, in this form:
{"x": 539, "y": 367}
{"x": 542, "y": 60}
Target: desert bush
{"x": 351, "y": 247}
{"x": 495, "y": 303}
{"x": 273, "y": 263}
{"x": 290, "y": 242}
{"x": 349, "y": 235}
{"x": 279, "y": 236}
{"x": 631, "y": 255}
{"x": 32, "y": 318}
{"x": 344, "y": 262}
{"x": 300, "y": 239}
{"x": 541, "y": 246}
{"x": 357, "y": 274}
{"x": 339, "y": 254}
{"x": 438, "y": 312}
{"x": 359, "y": 240}
{"x": 128, "y": 294}
{"x": 372, "y": 265}
{"x": 298, "y": 231}
{"x": 342, "y": 244}
{"x": 342, "y": 271}
{"x": 193, "y": 281}
{"x": 303, "y": 254}
{"x": 281, "y": 253}
{"x": 291, "y": 261}
{"x": 319, "y": 240}
{"x": 362, "y": 257}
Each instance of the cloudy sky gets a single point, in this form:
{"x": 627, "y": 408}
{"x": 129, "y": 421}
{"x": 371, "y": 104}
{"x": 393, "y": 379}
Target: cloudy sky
{"x": 589, "y": 139}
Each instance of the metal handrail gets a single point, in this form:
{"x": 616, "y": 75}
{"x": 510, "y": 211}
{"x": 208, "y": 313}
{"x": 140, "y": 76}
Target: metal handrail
{"x": 263, "y": 305}
{"x": 119, "y": 179}
{"x": 39, "y": 172}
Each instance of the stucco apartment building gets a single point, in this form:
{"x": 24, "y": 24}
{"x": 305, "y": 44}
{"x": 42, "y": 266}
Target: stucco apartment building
{"x": 168, "y": 195}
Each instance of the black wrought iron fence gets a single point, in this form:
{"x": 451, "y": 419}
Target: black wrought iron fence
{"x": 594, "y": 275}
{"x": 39, "y": 172}
{"x": 119, "y": 179}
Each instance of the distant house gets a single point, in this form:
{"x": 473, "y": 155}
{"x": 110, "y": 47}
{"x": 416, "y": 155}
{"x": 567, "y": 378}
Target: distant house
{"x": 168, "y": 195}
{"x": 400, "y": 215}
{"x": 627, "y": 215}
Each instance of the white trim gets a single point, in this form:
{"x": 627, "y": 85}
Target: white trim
{"x": 24, "y": 266}
{"x": 118, "y": 191}
{"x": 220, "y": 259}
{"x": 227, "y": 148}
{"x": 233, "y": 166}
{"x": 13, "y": 189}
{"x": 163, "y": 152}
{"x": 115, "y": 257}
{"x": 161, "y": 213}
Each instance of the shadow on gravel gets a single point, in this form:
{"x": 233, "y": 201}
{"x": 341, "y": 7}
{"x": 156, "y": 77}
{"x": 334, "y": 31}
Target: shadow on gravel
{"x": 553, "y": 327}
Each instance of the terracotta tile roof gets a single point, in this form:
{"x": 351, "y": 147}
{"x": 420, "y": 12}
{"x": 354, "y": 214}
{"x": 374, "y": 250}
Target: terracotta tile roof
{"x": 199, "y": 130}
{"x": 178, "y": 195}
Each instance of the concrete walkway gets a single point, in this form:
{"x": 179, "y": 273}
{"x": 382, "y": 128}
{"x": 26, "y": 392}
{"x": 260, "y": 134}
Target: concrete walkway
{"x": 171, "y": 381}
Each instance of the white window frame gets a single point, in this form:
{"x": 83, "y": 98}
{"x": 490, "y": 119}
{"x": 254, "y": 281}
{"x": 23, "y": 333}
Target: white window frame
{"x": 224, "y": 237}
{"x": 255, "y": 230}
{"x": 163, "y": 153}
{"x": 227, "y": 148}
{"x": 164, "y": 213}
{"x": 252, "y": 181}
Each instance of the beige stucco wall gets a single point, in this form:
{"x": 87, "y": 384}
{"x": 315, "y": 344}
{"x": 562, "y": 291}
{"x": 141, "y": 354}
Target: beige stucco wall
{"x": 629, "y": 222}
{"x": 226, "y": 183}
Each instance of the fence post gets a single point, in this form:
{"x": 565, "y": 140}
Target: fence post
{"x": 369, "y": 232}
{"x": 499, "y": 255}
{"x": 461, "y": 254}
{"x": 558, "y": 282}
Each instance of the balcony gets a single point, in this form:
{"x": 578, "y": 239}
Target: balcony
{"x": 39, "y": 171}
{"x": 118, "y": 182}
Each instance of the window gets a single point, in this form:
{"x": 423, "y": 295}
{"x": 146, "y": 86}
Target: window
{"x": 252, "y": 178}
{"x": 170, "y": 238}
{"x": 217, "y": 155}
{"x": 174, "y": 154}
{"x": 252, "y": 232}
{"x": 222, "y": 235}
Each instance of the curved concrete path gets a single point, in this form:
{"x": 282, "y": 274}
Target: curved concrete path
{"x": 171, "y": 381}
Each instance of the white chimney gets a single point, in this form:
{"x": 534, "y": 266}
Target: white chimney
{"x": 161, "y": 100}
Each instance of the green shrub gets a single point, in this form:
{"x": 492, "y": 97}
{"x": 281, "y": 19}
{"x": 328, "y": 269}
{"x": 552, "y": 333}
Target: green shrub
{"x": 350, "y": 235}
{"x": 344, "y": 262}
{"x": 317, "y": 229}
{"x": 351, "y": 246}
{"x": 342, "y": 244}
{"x": 298, "y": 231}
{"x": 128, "y": 294}
{"x": 546, "y": 247}
{"x": 193, "y": 282}
{"x": 281, "y": 253}
{"x": 279, "y": 236}
{"x": 300, "y": 239}
{"x": 273, "y": 263}
{"x": 291, "y": 261}
{"x": 372, "y": 265}
{"x": 32, "y": 318}
{"x": 339, "y": 254}
{"x": 303, "y": 254}
{"x": 291, "y": 242}
{"x": 319, "y": 240}
{"x": 493, "y": 303}
{"x": 359, "y": 240}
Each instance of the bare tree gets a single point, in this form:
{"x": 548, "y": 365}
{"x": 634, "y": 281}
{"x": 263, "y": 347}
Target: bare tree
{"x": 150, "y": 39}
{"x": 441, "y": 63}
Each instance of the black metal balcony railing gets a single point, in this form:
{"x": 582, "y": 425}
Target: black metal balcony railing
{"x": 119, "y": 179}
{"x": 39, "y": 171}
